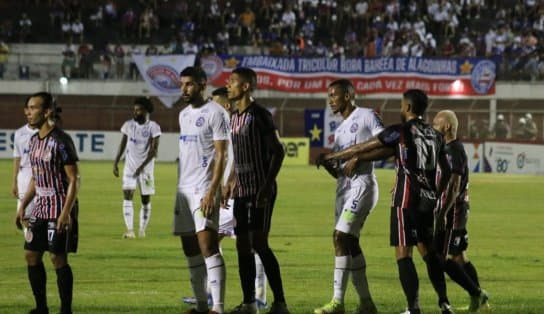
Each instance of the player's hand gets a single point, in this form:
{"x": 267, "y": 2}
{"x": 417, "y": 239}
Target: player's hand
{"x": 320, "y": 160}
{"x": 64, "y": 222}
{"x": 350, "y": 166}
{"x": 440, "y": 223}
{"x": 138, "y": 172}
{"x": 207, "y": 204}
{"x": 115, "y": 170}
{"x": 263, "y": 196}
{"x": 15, "y": 190}
{"x": 20, "y": 218}
{"x": 226, "y": 194}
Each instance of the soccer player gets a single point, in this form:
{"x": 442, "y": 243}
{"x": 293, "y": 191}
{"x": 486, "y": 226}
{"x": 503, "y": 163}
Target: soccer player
{"x": 451, "y": 237}
{"x": 53, "y": 224}
{"x": 258, "y": 155}
{"x": 356, "y": 196}
{"x": 417, "y": 148}
{"x": 22, "y": 171}
{"x": 204, "y": 134}
{"x": 139, "y": 144}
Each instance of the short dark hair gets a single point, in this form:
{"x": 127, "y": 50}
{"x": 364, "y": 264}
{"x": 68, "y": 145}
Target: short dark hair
{"x": 145, "y": 103}
{"x": 49, "y": 102}
{"x": 345, "y": 85}
{"x": 196, "y": 73}
{"x": 221, "y": 91}
{"x": 418, "y": 100}
{"x": 247, "y": 75}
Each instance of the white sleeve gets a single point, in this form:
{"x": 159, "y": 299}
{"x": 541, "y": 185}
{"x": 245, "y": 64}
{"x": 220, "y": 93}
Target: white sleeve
{"x": 16, "y": 147}
{"x": 155, "y": 130}
{"x": 374, "y": 123}
{"x": 125, "y": 129}
{"x": 219, "y": 124}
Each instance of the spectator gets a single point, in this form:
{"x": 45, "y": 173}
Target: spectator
{"x": 247, "y": 21}
{"x": 98, "y": 17}
{"x": 501, "y": 129}
{"x": 519, "y": 132}
{"x": 25, "y": 26}
{"x": 530, "y": 127}
{"x": 133, "y": 72}
{"x": 85, "y": 60}
{"x": 68, "y": 61}
{"x": 106, "y": 60}
{"x": 77, "y": 30}
{"x": 66, "y": 29}
{"x": 128, "y": 24}
{"x": 4, "y": 53}
{"x": 119, "y": 58}
{"x": 148, "y": 23}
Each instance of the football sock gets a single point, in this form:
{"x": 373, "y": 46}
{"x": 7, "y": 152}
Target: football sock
{"x": 273, "y": 274}
{"x": 358, "y": 276}
{"x": 260, "y": 280}
{"x": 409, "y": 281}
{"x": 197, "y": 272}
{"x": 215, "y": 266}
{"x": 472, "y": 273}
{"x": 436, "y": 275}
{"x": 145, "y": 215}
{"x": 128, "y": 214}
{"x": 38, "y": 278}
{"x": 342, "y": 268}
{"x": 246, "y": 271}
{"x": 458, "y": 275}
{"x": 65, "y": 283}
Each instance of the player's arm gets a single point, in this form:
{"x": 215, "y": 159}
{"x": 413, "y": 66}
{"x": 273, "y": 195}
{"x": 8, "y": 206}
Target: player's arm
{"x": 73, "y": 178}
{"x": 330, "y": 165}
{"x": 14, "y": 188}
{"x": 356, "y": 150}
{"x": 152, "y": 153}
{"x": 120, "y": 152}
{"x": 449, "y": 197}
{"x": 29, "y": 195}
{"x": 272, "y": 141}
{"x": 207, "y": 204}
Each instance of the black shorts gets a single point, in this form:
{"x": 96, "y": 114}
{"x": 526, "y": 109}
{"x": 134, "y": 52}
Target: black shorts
{"x": 250, "y": 218}
{"x": 42, "y": 235}
{"x": 451, "y": 242}
{"x": 409, "y": 227}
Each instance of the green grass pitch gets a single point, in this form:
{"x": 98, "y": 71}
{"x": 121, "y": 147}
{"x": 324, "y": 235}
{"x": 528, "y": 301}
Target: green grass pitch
{"x": 149, "y": 275}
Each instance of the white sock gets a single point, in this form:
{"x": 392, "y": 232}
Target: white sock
{"x": 358, "y": 276}
{"x": 216, "y": 279}
{"x": 145, "y": 215}
{"x": 128, "y": 214}
{"x": 197, "y": 272}
{"x": 342, "y": 267}
{"x": 260, "y": 280}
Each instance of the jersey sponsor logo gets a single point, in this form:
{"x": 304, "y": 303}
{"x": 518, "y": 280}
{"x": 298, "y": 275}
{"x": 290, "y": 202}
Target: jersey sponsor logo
{"x": 164, "y": 78}
{"x": 354, "y": 127}
{"x": 483, "y": 76}
{"x": 199, "y": 121}
{"x": 47, "y": 155}
{"x": 188, "y": 138}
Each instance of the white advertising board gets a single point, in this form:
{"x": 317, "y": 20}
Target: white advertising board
{"x": 515, "y": 158}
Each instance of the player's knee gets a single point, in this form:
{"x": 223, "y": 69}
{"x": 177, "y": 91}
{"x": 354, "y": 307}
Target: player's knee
{"x": 59, "y": 260}
{"x": 128, "y": 194}
{"x": 32, "y": 258}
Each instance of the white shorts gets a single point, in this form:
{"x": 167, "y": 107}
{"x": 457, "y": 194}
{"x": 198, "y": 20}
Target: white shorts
{"x": 23, "y": 180}
{"x": 145, "y": 180}
{"x": 354, "y": 204}
{"x": 188, "y": 218}
{"x": 226, "y": 219}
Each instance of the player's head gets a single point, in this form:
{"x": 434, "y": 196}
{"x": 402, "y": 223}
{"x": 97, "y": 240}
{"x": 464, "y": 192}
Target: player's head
{"x": 41, "y": 108}
{"x": 341, "y": 95}
{"x": 241, "y": 83}
{"x": 446, "y": 123}
{"x": 413, "y": 104}
{"x": 220, "y": 96}
{"x": 143, "y": 107}
{"x": 193, "y": 84}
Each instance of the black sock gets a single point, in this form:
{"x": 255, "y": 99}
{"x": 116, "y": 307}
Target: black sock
{"x": 436, "y": 275}
{"x": 246, "y": 270}
{"x": 409, "y": 281}
{"x": 38, "y": 279}
{"x": 472, "y": 273}
{"x": 273, "y": 274}
{"x": 65, "y": 282}
{"x": 458, "y": 275}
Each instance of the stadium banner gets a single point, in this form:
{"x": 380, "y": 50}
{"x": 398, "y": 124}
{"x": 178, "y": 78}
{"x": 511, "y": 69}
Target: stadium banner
{"x": 313, "y": 126}
{"x": 161, "y": 74}
{"x": 475, "y": 156}
{"x": 297, "y": 150}
{"x": 332, "y": 121}
{"x": 514, "y": 158}
{"x": 435, "y": 76}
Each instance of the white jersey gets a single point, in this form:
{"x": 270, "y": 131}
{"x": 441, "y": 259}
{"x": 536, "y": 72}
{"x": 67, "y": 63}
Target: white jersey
{"x": 20, "y": 145}
{"x": 139, "y": 143}
{"x": 362, "y": 124}
{"x": 199, "y": 128}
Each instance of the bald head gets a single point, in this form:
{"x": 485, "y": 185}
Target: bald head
{"x": 446, "y": 123}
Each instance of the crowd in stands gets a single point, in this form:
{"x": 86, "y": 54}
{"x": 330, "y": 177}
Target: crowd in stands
{"x": 524, "y": 130}
{"x": 510, "y": 30}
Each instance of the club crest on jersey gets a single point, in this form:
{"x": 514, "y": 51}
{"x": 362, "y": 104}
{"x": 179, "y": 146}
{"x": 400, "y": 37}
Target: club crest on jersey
{"x": 354, "y": 127}
{"x": 145, "y": 133}
{"x": 199, "y": 121}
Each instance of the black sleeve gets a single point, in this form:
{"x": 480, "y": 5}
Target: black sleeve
{"x": 457, "y": 160}
{"x": 265, "y": 122}
{"x": 67, "y": 150}
{"x": 390, "y": 136}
